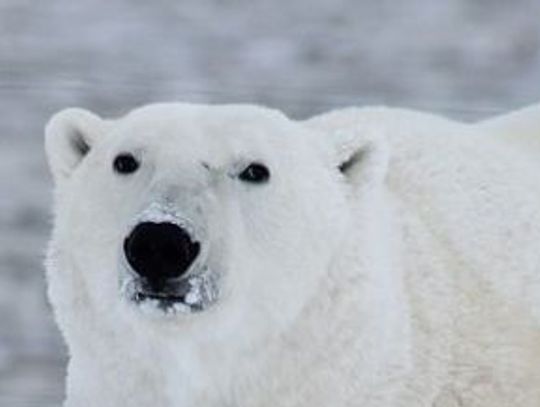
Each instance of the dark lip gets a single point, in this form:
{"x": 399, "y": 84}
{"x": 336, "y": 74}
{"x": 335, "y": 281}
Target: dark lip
{"x": 174, "y": 291}
{"x": 141, "y": 296}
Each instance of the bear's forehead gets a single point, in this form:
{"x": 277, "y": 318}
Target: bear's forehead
{"x": 223, "y": 124}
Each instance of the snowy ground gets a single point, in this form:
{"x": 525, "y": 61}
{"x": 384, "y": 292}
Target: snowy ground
{"x": 464, "y": 58}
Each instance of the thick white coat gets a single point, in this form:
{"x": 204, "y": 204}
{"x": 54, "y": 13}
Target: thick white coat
{"x": 413, "y": 279}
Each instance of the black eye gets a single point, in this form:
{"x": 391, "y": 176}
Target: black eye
{"x": 256, "y": 173}
{"x": 125, "y": 163}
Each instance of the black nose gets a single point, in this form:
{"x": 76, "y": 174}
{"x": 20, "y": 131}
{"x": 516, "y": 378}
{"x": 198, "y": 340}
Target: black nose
{"x": 160, "y": 251}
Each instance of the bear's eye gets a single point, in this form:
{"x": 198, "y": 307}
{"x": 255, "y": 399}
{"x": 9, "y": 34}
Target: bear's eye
{"x": 125, "y": 163}
{"x": 256, "y": 173}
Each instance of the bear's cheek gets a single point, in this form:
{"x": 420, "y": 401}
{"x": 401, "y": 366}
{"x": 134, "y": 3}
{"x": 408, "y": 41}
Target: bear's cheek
{"x": 89, "y": 236}
{"x": 279, "y": 255}
{"x": 92, "y": 252}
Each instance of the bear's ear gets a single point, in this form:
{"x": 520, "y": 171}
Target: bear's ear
{"x": 354, "y": 140}
{"x": 361, "y": 158}
{"x": 69, "y": 136}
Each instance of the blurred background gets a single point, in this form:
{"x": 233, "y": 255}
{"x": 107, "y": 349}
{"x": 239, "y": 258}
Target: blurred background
{"x": 467, "y": 59}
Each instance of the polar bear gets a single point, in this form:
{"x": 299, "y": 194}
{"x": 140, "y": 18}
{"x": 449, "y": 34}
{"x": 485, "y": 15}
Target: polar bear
{"x": 230, "y": 256}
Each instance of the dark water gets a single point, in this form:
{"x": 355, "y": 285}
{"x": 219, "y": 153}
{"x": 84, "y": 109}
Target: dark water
{"x": 467, "y": 59}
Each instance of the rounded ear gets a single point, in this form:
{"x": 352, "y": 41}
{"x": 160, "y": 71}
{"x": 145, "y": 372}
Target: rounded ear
{"x": 69, "y": 136}
{"x": 360, "y": 157}
{"x": 355, "y": 141}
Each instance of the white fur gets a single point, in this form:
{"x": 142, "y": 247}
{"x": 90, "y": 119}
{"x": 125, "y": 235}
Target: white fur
{"x": 413, "y": 279}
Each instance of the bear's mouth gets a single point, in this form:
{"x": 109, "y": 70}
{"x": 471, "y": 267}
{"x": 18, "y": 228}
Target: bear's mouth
{"x": 164, "y": 302}
{"x": 189, "y": 295}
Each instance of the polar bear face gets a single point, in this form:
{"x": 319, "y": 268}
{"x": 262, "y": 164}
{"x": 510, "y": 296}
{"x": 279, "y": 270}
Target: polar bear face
{"x": 194, "y": 216}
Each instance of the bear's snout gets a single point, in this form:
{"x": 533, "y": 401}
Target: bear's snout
{"x": 160, "y": 251}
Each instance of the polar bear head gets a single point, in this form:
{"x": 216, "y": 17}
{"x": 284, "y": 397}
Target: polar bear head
{"x": 223, "y": 218}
